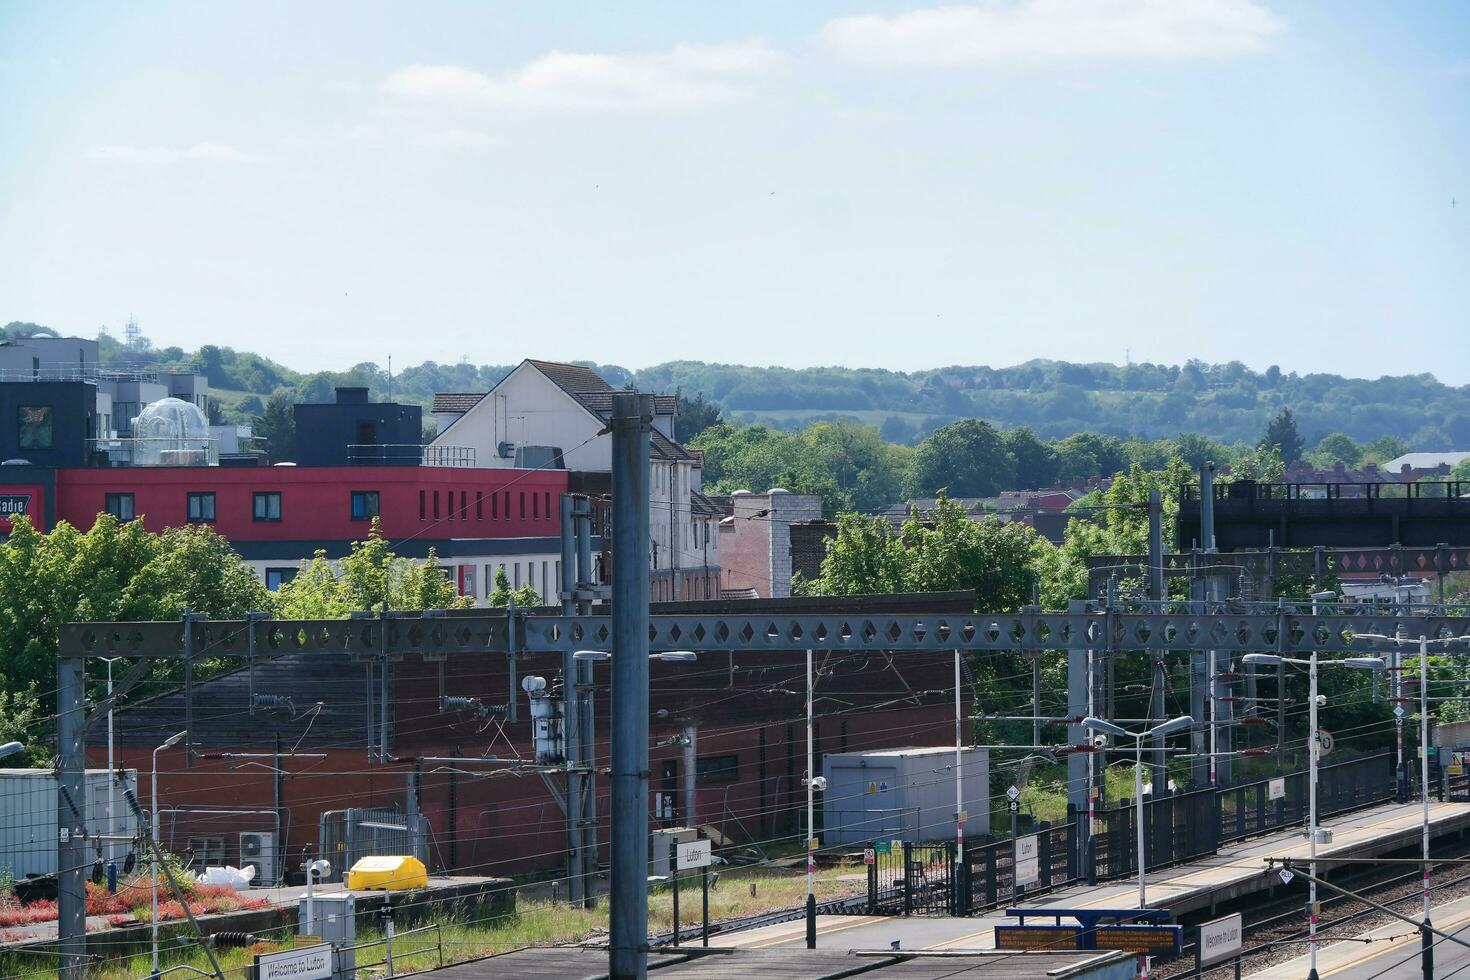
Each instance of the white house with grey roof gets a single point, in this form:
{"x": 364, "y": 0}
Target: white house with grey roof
{"x": 550, "y": 414}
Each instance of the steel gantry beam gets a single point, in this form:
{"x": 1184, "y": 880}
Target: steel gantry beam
{"x": 1135, "y": 626}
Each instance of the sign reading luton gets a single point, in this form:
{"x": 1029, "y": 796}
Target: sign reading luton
{"x": 693, "y": 854}
{"x": 311, "y": 963}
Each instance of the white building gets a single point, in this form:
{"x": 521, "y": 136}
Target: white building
{"x": 548, "y": 414}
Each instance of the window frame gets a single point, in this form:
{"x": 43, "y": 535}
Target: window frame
{"x": 26, "y": 438}
{"x": 362, "y": 497}
{"x": 256, "y": 497}
{"x": 195, "y": 515}
{"x": 112, "y": 503}
{"x": 728, "y": 770}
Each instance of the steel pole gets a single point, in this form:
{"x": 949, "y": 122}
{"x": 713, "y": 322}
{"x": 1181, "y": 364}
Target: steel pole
{"x": 632, "y": 417}
{"x": 1138, "y": 795}
{"x": 571, "y": 718}
{"x": 70, "y": 847}
{"x": 1312, "y": 743}
{"x": 959, "y": 767}
{"x": 153, "y": 833}
{"x": 111, "y": 767}
{"x": 811, "y": 809}
{"x": 1424, "y": 773}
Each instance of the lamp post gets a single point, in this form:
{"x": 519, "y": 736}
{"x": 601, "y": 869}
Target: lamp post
{"x": 1423, "y": 644}
{"x": 11, "y": 748}
{"x": 1158, "y": 731}
{"x": 169, "y": 743}
{"x": 1271, "y": 659}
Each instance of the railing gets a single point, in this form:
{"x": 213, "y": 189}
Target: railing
{"x": 389, "y": 954}
{"x": 409, "y": 454}
{"x": 449, "y": 456}
{"x": 69, "y": 371}
{"x": 908, "y": 877}
{"x": 154, "y": 451}
{"x": 1393, "y": 488}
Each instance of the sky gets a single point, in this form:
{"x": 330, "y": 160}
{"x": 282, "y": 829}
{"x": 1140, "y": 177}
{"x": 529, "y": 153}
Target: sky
{"x": 862, "y": 183}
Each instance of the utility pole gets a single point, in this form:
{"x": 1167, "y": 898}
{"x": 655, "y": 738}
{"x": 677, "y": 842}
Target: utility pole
{"x": 632, "y": 418}
{"x": 71, "y": 849}
{"x": 1157, "y": 591}
{"x": 571, "y": 718}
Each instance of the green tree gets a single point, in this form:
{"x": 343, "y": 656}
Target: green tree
{"x": 1339, "y": 447}
{"x": 277, "y": 427}
{"x": 1036, "y": 462}
{"x": 865, "y": 557}
{"x": 114, "y": 572}
{"x": 1084, "y": 455}
{"x": 1461, "y": 470}
{"x": 867, "y": 471}
{"x": 1196, "y": 450}
{"x": 501, "y": 595}
{"x": 967, "y": 458}
{"x": 1282, "y": 433}
{"x": 370, "y": 578}
{"x": 695, "y": 415}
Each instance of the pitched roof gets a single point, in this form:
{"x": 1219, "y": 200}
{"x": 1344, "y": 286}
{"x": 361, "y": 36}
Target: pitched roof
{"x": 457, "y": 402}
{"x": 1425, "y": 461}
{"x": 586, "y": 387}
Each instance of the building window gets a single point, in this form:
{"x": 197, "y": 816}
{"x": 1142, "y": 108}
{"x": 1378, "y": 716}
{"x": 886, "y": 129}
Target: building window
{"x": 436, "y": 505}
{"x": 421, "y": 505}
{"x": 266, "y": 507}
{"x": 464, "y": 505}
{"x": 449, "y": 503}
{"x": 201, "y": 507}
{"x": 507, "y": 505}
{"x": 494, "y": 506}
{"x": 120, "y": 505}
{"x": 546, "y": 503}
{"x": 277, "y": 577}
{"x": 35, "y": 426}
{"x": 479, "y": 505}
{"x": 364, "y": 505}
{"x": 717, "y": 769}
{"x": 523, "y": 504}
{"x": 536, "y": 506}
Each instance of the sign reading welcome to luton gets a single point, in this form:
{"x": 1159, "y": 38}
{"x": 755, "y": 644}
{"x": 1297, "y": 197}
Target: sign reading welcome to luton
{"x": 1219, "y": 940}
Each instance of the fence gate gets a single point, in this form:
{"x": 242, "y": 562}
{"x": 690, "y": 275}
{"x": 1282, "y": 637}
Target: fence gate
{"x": 347, "y": 836}
{"x": 912, "y": 879}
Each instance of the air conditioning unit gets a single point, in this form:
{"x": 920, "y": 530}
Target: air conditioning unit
{"x": 203, "y": 852}
{"x": 259, "y": 848}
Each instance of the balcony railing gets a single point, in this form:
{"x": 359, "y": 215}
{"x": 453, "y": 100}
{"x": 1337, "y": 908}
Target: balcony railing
{"x": 67, "y": 371}
{"x": 154, "y": 452}
{"x": 409, "y": 454}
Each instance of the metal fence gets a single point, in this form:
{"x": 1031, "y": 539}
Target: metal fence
{"x": 910, "y": 878}
{"x": 348, "y": 836}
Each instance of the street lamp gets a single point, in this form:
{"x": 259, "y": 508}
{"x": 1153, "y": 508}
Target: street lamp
{"x": 1423, "y": 643}
{"x": 1158, "y": 731}
{"x": 668, "y": 656}
{"x": 169, "y": 743}
{"x": 11, "y": 748}
{"x": 1313, "y": 742}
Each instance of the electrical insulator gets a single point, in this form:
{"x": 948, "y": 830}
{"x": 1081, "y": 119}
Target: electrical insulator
{"x": 270, "y": 701}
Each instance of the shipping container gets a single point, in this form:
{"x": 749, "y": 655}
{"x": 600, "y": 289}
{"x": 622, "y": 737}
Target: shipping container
{"x": 28, "y": 826}
{"x": 903, "y": 794}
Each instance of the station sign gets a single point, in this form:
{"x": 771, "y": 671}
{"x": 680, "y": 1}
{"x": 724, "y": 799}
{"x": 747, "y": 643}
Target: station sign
{"x": 1028, "y": 860}
{"x": 1276, "y": 788}
{"x": 1219, "y": 940}
{"x": 309, "y": 963}
{"x": 692, "y": 854}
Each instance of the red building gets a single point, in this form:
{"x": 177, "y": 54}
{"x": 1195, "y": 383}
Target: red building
{"x": 276, "y": 516}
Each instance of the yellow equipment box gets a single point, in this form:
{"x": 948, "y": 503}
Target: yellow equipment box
{"x": 387, "y": 874}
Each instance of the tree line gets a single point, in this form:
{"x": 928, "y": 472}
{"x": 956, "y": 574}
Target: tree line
{"x": 853, "y": 468}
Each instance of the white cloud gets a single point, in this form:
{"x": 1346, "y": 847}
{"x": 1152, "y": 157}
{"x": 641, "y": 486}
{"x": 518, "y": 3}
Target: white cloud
{"x": 1048, "y": 32}
{"x": 207, "y": 151}
{"x": 685, "y": 75}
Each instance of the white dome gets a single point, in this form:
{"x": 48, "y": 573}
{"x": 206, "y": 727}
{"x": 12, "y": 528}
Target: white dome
{"x": 171, "y": 418}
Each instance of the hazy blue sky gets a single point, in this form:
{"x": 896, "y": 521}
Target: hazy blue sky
{"x": 863, "y": 183}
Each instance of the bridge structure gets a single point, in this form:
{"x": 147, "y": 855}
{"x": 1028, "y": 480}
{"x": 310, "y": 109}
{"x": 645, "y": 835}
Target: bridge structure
{"x": 1250, "y": 515}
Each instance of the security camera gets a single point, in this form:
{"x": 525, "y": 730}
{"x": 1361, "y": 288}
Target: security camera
{"x": 820, "y": 784}
{"x": 320, "y": 870}
{"x": 1321, "y": 701}
{"x": 533, "y": 685}
{"x": 1100, "y": 741}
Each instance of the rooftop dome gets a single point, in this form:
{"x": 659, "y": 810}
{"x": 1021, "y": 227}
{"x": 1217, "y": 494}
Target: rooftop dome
{"x": 171, "y": 418}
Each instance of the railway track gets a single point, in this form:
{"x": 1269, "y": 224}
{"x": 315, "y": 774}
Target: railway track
{"x": 1279, "y": 930}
